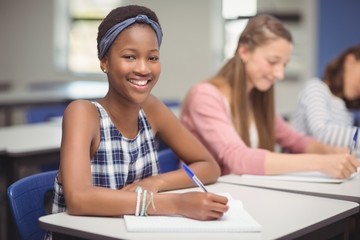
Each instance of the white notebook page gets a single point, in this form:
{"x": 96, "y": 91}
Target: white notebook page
{"x": 236, "y": 219}
{"x": 317, "y": 177}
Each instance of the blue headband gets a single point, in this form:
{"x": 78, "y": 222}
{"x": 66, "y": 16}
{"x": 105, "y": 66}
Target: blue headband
{"x": 114, "y": 31}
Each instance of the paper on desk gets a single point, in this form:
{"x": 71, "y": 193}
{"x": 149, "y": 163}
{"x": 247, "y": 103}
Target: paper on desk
{"x": 236, "y": 219}
{"x": 317, "y": 177}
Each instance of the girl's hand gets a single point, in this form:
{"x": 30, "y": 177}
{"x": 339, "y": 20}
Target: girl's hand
{"x": 202, "y": 206}
{"x": 340, "y": 165}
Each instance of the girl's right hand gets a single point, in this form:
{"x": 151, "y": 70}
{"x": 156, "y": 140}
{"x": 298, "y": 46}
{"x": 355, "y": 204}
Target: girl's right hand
{"x": 202, "y": 206}
{"x": 340, "y": 165}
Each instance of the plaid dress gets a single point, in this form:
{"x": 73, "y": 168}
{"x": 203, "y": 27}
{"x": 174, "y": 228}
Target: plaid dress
{"x": 118, "y": 161}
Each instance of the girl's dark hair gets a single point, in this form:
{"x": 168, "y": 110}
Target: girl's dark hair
{"x": 334, "y": 75}
{"x": 120, "y": 14}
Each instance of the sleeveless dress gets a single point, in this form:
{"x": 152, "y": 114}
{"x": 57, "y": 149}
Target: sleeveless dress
{"x": 118, "y": 161}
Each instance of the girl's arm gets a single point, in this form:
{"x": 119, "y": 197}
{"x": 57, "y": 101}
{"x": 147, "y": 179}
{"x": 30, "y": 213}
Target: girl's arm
{"x": 315, "y": 155}
{"x": 297, "y": 142}
{"x": 79, "y": 139}
{"x": 334, "y": 165}
{"x": 80, "y": 136}
{"x": 205, "y": 114}
{"x": 318, "y": 147}
{"x": 184, "y": 144}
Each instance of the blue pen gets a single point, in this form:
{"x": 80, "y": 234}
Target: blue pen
{"x": 353, "y": 146}
{"x": 191, "y": 174}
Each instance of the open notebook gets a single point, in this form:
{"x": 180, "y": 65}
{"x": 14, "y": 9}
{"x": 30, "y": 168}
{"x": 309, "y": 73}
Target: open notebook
{"x": 236, "y": 219}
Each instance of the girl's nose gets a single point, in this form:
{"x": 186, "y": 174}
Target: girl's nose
{"x": 279, "y": 72}
{"x": 142, "y": 67}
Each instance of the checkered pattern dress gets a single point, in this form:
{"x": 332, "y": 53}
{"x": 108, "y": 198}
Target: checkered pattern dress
{"x": 118, "y": 161}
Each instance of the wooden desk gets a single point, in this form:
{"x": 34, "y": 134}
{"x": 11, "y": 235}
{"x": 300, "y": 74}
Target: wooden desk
{"x": 50, "y": 93}
{"x": 282, "y": 216}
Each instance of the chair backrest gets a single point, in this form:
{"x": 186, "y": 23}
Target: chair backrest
{"x": 168, "y": 161}
{"x": 27, "y": 200}
{"x": 44, "y": 113}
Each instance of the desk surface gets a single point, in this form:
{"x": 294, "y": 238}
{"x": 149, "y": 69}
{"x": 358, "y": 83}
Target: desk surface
{"x": 49, "y": 93}
{"x": 24, "y": 150}
{"x": 348, "y": 190}
{"x": 30, "y": 138}
{"x": 276, "y": 211}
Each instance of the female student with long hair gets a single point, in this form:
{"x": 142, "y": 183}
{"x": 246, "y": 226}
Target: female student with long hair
{"x": 233, "y": 115}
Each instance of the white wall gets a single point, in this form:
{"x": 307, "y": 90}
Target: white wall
{"x": 302, "y": 63}
{"x": 26, "y": 40}
{"x": 191, "y": 50}
{"x": 187, "y": 54}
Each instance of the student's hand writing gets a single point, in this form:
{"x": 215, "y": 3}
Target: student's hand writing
{"x": 202, "y": 206}
{"x": 340, "y": 165}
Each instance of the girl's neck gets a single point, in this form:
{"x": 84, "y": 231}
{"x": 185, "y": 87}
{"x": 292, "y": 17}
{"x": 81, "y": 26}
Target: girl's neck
{"x": 124, "y": 116}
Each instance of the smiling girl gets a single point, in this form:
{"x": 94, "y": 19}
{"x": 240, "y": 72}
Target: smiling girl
{"x": 109, "y": 164}
{"x": 233, "y": 114}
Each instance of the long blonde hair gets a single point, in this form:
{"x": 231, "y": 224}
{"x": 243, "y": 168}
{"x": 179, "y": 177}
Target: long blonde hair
{"x": 259, "y": 30}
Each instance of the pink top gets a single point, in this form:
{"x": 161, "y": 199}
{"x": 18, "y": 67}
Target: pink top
{"x": 206, "y": 114}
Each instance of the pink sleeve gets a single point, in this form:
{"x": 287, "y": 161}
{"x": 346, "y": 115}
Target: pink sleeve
{"x": 289, "y": 138}
{"x": 205, "y": 114}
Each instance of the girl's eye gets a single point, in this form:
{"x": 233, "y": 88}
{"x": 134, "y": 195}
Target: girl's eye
{"x": 271, "y": 62}
{"x": 154, "y": 58}
{"x": 129, "y": 57}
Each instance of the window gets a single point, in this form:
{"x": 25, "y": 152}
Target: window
{"x": 76, "y": 28}
{"x": 236, "y": 14}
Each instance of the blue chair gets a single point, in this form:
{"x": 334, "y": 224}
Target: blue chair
{"x": 44, "y": 113}
{"x": 168, "y": 161}
{"x": 28, "y": 200}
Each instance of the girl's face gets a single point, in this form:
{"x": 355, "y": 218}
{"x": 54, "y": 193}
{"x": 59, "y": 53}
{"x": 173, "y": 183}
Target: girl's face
{"x": 351, "y": 77}
{"x": 266, "y": 63}
{"x": 133, "y": 63}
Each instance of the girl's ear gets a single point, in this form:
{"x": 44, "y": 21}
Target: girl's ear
{"x": 243, "y": 53}
{"x": 104, "y": 64}
{"x": 350, "y": 59}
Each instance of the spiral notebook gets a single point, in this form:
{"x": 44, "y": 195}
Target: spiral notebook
{"x": 236, "y": 219}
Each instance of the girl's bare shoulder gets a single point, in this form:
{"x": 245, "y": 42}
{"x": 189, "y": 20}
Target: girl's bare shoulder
{"x": 156, "y": 111}
{"x": 81, "y": 111}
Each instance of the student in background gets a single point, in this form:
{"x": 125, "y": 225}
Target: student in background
{"x": 109, "y": 161}
{"x": 232, "y": 113}
{"x": 324, "y": 106}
